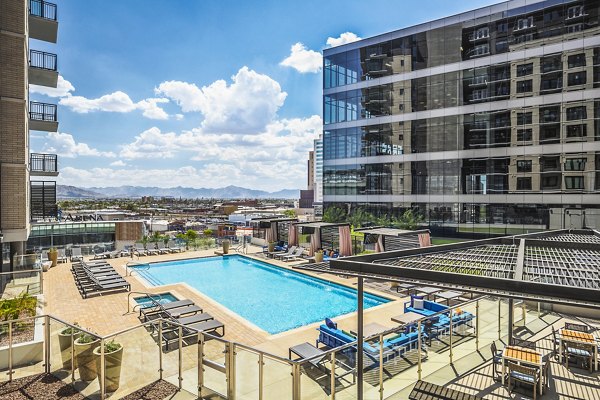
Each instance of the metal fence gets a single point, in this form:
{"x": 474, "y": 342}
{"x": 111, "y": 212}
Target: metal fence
{"x": 43, "y": 162}
{"x": 42, "y": 60}
{"x": 42, "y": 9}
{"x": 42, "y": 112}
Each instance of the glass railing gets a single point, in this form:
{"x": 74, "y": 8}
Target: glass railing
{"x": 16, "y": 283}
{"x": 430, "y": 348}
{"x": 42, "y": 9}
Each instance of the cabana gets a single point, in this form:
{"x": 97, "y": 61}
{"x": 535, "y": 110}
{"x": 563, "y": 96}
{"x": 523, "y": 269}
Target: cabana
{"x": 326, "y": 235}
{"x": 389, "y": 239}
{"x": 273, "y": 229}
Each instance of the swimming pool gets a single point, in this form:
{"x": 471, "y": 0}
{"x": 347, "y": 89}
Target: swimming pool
{"x": 275, "y": 299}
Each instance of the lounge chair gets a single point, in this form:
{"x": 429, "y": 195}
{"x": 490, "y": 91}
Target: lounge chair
{"x": 91, "y": 284}
{"x": 317, "y": 358}
{"x": 282, "y": 254}
{"x": 175, "y": 248}
{"x": 76, "y": 254}
{"x": 162, "y": 249}
{"x": 297, "y": 254}
{"x": 192, "y": 330}
{"x": 151, "y": 250}
{"x": 98, "y": 255}
{"x": 156, "y": 308}
{"x": 140, "y": 250}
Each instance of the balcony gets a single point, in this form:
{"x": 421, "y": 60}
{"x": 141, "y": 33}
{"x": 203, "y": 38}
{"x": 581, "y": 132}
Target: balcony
{"x": 42, "y": 117}
{"x": 43, "y": 164}
{"x": 42, "y": 68}
{"x": 42, "y": 21}
{"x": 43, "y": 200}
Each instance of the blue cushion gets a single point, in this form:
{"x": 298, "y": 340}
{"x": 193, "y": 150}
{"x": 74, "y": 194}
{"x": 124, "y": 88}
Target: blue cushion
{"x": 578, "y": 352}
{"x": 330, "y": 323}
{"x": 522, "y": 377}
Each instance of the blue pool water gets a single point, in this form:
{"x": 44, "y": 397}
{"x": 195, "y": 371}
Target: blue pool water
{"x": 146, "y": 301}
{"x": 275, "y": 299}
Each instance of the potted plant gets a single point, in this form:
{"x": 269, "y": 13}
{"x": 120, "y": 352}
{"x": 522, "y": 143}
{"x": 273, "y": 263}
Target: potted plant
{"x": 65, "y": 339}
{"x": 225, "y": 246}
{"x": 84, "y": 353}
{"x": 319, "y": 256}
{"x": 53, "y": 256}
{"x": 113, "y": 356}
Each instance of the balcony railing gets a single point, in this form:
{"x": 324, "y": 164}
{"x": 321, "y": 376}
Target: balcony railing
{"x": 42, "y": 60}
{"x": 42, "y": 111}
{"x": 42, "y": 9}
{"x": 45, "y": 163}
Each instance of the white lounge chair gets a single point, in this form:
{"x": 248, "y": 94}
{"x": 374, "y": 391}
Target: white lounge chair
{"x": 295, "y": 255}
{"x": 140, "y": 250}
{"x": 76, "y": 254}
{"x": 162, "y": 249}
{"x": 62, "y": 256}
{"x": 175, "y": 248}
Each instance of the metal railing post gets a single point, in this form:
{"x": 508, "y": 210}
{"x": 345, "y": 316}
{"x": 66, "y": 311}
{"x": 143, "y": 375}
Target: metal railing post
{"x": 499, "y": 319}
{"x": 10, "y": 354}
{"x": 332, "y": 377}
{"x": 160, "y": 353}
{"x": 381, "y": 367}
{"x": 72, "y": 354}
{"x": 539, "y": 311}
{"x": 102, "y": 375}
{"x": 261, "y": 377}
{"x": 296, "y": 381}
{"x": 41, "y": 281}
{"x": 180, "y": 357}
{"x": 200, "y": 364}
{"x": 477, "y": 325}
{"x": 230, "y": 370}
{"x": 46, "y": 343}
{"x": 419, "y": 370}
{"x": 451, "y": 324}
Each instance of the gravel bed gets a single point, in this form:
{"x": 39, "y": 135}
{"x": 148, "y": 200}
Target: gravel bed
{"x": 42, "y": 387}
{"x": 158, "y": 390}
{"x": 20, "y": 336}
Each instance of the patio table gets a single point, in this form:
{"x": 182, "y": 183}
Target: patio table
{"x": 447, "y": 295}
{"x": 371, "y": 329}
{"x": 406, "y": 318}
{"x": 525, "y": 356}
{"x": 428, "y": 290}
{"x": 569, "y": 336}
{"x": 405, "y": 287}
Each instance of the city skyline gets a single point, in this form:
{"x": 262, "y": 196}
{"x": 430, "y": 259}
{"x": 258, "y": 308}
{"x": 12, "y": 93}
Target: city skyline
{"x": 153, "y": 109}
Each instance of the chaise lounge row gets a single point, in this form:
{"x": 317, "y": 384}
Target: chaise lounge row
{"x": 97, "y": 278}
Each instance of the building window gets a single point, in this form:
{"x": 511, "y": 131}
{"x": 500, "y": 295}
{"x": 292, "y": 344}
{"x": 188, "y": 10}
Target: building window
{"x": 482, "y": 33}
{"x": 575, "y": 12}
{"x": 575, "y": 131}
{"x": 524, "y": 23}
{"x": 524, "y": 135}
{"x": 481, "y": 50}
{"x": 550, "y": 164}
{"x": 574, "y": 182}
{"x": 575, "y": 164}
{"x": 577, "y": 78}
{"x": 552, "y": 83}
{"x": 574, "y": 28}
{"x": 576, "y": 113}
{"x": 550, "y": 133}
{"x": 524, "y": 118}
{"x": 551, "y": 64}
{"x": 551, "y": 182}
{"x": 401, "y": 92}
{"x": 524, "y": 183}
{"x": 525, "y": 86}
{"x": 502, "y": 27}
{"x": 525, "y": 69}
{"x": 576, "y": 60}
{"x": 524, "y": 165}
{"x": 550, "y": 114}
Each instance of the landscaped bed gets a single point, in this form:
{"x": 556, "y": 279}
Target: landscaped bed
{"x": 23, "y": 306}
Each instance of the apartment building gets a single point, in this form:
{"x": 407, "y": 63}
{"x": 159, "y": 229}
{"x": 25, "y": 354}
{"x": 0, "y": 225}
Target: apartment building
{"x": 21, "y": 199}
{"x": 486, "y": 122}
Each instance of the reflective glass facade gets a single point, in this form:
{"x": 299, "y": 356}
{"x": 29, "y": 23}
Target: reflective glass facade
{"x": 487, "y": 122}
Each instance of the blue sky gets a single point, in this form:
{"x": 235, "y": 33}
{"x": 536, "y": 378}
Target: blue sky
{"x": 201, "y": 93}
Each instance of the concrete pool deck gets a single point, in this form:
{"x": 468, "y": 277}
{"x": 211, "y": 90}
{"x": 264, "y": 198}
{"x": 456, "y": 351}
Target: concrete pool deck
{"x": 108, "y": 313}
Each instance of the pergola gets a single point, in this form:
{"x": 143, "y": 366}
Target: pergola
{"x": 395, "y": 239}
{"x": 327, "y": 231}
{"x": 561, "y": 267}
{"x": 280, "y": 227}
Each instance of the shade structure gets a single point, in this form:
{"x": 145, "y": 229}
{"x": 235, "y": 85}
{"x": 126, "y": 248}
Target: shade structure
{"x": 345, "y": 241}
{"x": 292, "y": 235}
{"x": 379, "y": 246}
{"x": 315, "y": 242}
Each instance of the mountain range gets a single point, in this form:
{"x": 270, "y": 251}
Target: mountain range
{"x": 228, "y": 192}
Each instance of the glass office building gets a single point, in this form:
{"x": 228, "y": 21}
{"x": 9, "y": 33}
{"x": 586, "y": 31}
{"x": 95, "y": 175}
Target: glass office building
{"x": 486, "y": 122}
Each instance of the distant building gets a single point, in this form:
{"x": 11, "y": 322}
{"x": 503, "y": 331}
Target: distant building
{"x": 486, "y": 122}
{"x": 311, "y": 170}
{"x": 318, "y": 177}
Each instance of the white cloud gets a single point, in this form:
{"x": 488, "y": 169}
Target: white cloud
{"x": 115, "y": 102}
{"x": 303, "y": 60}
{"x": 118, "y": 163}
{"x": 248, "y": 104}
{"x": 344, "y": 38}
{"x": 151, "y": 144}
{"x": 65, "y": 145}
{"x": 63, "y": 88}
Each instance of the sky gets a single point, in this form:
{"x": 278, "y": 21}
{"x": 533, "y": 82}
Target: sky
{"x": 201, "y": 93}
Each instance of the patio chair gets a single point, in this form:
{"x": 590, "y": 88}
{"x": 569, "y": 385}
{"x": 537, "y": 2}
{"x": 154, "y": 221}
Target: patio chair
{"x": 546, "y": 369}
{"x": 521, "y": 373}
{"x": 297, "y": 254}
{"x": 62, "y": 256}
{"x": 76, "y": 254}
{"x": 576, "y": 327}
{"x": 522, "y": 343}
{"x": 555, "y": 344}
{"x": 580, "y": 351}
{"x": 496, "y": 361}
{"x": 44, "y": 256}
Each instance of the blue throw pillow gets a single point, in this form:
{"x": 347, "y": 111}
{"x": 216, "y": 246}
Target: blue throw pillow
{"x": 330, "y": 324}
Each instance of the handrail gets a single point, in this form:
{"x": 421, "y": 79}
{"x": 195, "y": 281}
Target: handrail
{"x": 150, "y": 296}
{"x": 132, "y": 264}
